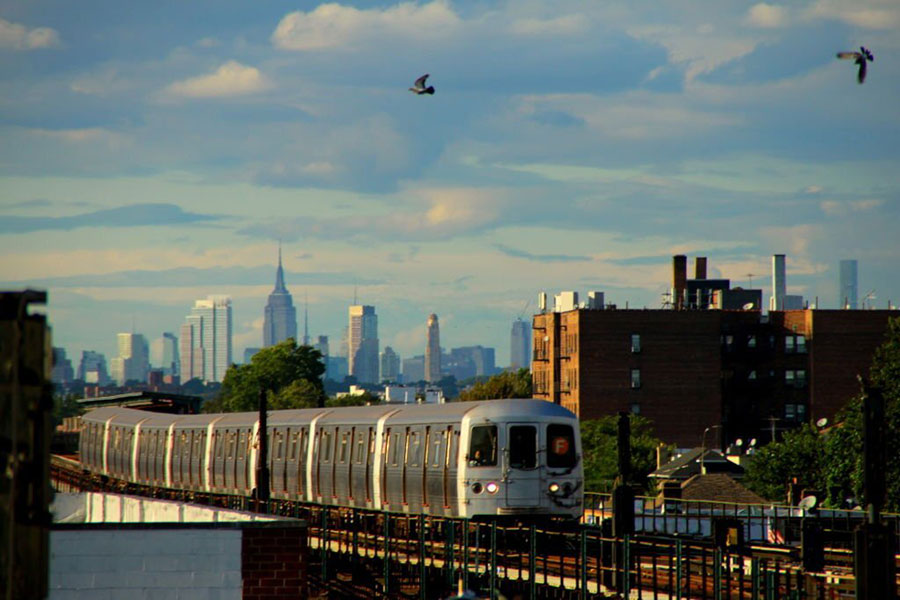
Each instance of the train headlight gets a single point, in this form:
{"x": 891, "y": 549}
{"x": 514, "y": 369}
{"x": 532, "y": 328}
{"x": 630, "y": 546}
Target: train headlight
{"x": 554, "y": 487}
{"x": 492, "y": 487}
{"x": 477, "y": 487}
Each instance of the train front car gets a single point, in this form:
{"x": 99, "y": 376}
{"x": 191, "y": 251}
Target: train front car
{"x": 521, "y": 458}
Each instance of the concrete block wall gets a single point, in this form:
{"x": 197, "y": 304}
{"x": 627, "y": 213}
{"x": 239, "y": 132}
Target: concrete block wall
{"x": 216, "y": 561}
{"x": 145, "y": 563}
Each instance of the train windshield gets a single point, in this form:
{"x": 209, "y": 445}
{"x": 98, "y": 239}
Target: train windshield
{"x": 523, "y": 446}
{"x": 483, "y": 446}
{"x": 561, "y": 446}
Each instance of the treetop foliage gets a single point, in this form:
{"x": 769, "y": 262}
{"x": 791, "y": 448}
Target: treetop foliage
{"x": 508, "y": 384}
{"x": 599, "y": 442}
{"x": 290, "y": 374}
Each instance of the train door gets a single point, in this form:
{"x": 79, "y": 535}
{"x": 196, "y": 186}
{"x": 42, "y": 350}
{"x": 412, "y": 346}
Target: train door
{"x": 415, "y": 469}
{"x": 343, "y": 466}
{"x": 392, "y": 472}
{"x": 240, "y": 458}
{"x": 370, "y": 457}
{"x": 217, "y": 472}
{"x": 230, "y": 462}
{"x": 301, "y": 463}
{"x": 435, "y": 478}
{"x": 523, "y": 477}
{"x": 451, "y": 470}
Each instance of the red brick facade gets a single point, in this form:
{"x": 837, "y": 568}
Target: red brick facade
{"x": 273, "y": 561}
{"x": 688, "y": 370}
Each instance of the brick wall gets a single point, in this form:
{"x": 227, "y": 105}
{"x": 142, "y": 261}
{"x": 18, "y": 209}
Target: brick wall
{"x": 273, "y": 563}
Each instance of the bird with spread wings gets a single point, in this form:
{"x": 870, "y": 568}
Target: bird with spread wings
{"x": 419, "y": 86}
{"x": 859, "y": 58}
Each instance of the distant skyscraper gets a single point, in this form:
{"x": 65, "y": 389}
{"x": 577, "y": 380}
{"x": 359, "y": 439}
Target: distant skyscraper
{"x": 249, "y": 353}
{"x": 133, "y": 362}
{"x": 322, "y": 345}
{"x": 414, "y": 369}
{"x": 206, "y": 340}
{"x": 520, "y": 345}
{"x": 390, "y": 365}
{"x": 847, "y": 297}
{"x": 281, "y": 316}
{"x": 164, "y": 354}
{"x": 433, "y": 350}
{"x": 779, "y": 283}
{"x": 62, "y": 372}
{"x": 362, "y": 344}
{"x": 92, "y": 369}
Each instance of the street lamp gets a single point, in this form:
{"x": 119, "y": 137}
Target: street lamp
{"x": 703, "y": 447}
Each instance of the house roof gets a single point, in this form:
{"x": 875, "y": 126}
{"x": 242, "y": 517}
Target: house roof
{"x": 688, "y": 465}
{"x": 718, "y": 487}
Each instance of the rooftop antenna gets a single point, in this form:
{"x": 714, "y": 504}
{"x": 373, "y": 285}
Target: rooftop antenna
{"x": 524, "y": 308}
{"x": 354, "y": 296}
{"x": 750, "y": 276}
{"x": 870, "y": 295}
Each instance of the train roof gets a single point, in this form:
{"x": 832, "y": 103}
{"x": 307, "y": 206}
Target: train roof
{"x": 400, "y": 414}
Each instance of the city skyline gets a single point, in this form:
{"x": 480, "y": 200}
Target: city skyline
{"x": 155, "y": 156}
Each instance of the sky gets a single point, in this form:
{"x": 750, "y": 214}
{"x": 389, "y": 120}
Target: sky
{"x": 154, "y": 153}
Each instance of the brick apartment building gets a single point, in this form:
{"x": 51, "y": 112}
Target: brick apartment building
{"x": 748, "y": 373}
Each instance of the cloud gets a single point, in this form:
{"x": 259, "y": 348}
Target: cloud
{"x": 193, "y": 277}
{"x": 135, "y": 215}
{"x": 515, "y": 253}
{"x": 834, "y": 208}
{"x": 230, "y": 79}
{"x": 768, "y": 16}
{"x": 18, "y": 37}
{"x": 877, "y": 14}
{"x": 333, "y": 25}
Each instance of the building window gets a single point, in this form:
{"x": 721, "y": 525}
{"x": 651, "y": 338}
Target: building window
{"x": 800, "y": 378}
{"x": 789, "y": 344}
{"x": 635, "y": 408}
{"x": 801, "y": 344}
{"x": 751, "y": 376}
{"x": 751, "y": 341}
{"x": 635, "y": 343}
{"x": 790, "y": 412}
{"x": 789, "y": 377}
{"x": 635, "y": 379}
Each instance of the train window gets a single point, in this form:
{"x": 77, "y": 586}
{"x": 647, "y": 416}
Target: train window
{"x": 325, "y": 446}
{"x": 483, "y": 446}
{"x": 436, "y": 453}
{"x": 522, "y": 446}
{"x": 371, "y": 446}
{"x": 218, "y": 442}
{"x": 560, "y": 446}
{"x": 279, "y": 442}
{"x": 415, "y": 448}
{"x": 345, "y": 441}
{"x": 293, "y": 445}
{"x": 395, "y": 449}
{"x": 360, "y": 449}
{"x": 230, "y": 442}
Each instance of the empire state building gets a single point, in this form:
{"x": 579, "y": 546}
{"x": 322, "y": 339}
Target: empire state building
{"x": 281, "y": 317}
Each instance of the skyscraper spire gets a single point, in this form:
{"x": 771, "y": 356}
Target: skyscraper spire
{"x": 279, "y": 276}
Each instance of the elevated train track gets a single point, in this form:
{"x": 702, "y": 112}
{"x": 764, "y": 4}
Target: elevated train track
{"x": 362, "y": 553}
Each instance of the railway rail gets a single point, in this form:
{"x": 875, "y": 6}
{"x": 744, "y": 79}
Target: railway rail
{"x": 358, "y": 553}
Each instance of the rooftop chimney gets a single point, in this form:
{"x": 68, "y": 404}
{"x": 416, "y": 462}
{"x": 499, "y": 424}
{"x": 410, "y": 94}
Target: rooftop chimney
{"x": 679, "y": 280}
{"x": 700, "y": 267}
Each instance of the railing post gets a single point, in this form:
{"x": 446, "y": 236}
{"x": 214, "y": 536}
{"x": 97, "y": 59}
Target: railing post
{"x": 678, "y": 567}
{"x": 626, "y": 560}
{"x": 493, "y": 561}
{"x": 422, "y": 578}
{"x": 386, "y": 553}
{"x": 532, "y": 561}
{"x": 583, "y": 559}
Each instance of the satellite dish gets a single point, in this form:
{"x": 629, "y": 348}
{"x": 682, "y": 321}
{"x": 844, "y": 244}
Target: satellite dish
{"x": 822, "y": 422}
{"x": 749, "y": 306}
{"x": 808, "y": 503}
{"x": 752, "y": 442}
{"x": 739, "y": 442}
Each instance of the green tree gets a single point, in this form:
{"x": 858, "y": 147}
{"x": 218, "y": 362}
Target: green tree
{"x": 363, "y": 399}
{"x": 800, "y": 455}
{"x": 599, "y": 443}
{"x": 65, "y": 405}
{"x": 291, "y": 375}
{"x": 833, "y": 462}
{"x": 509, "y": 384}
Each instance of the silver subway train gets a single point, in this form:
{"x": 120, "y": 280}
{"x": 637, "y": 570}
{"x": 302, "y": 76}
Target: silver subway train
{"x": 518, "y": 457}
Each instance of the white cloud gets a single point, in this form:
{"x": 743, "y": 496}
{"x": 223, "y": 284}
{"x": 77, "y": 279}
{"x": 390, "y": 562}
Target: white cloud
{"x": 19, "y": 37}
{"x": 768, "y": 16}
{"x": 700, "y": 50}
{"x": 833, "y": 208}
{"x": 875, "y": 14}
{"x": 231, "y": 79}
{"x": 334, "y": 25}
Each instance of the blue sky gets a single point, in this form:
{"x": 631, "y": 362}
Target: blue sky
{"x": 155, "y": 153}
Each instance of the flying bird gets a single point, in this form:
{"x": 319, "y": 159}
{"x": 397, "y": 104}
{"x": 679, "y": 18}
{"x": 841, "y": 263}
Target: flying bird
{"x": 419, "y": 86}
{"x": 859, "y": 58}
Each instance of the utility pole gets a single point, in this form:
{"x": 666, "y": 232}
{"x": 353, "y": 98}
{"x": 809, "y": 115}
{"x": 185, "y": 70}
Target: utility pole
{"x": 262, "y": 462}
{"x": 873, "y": 541}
